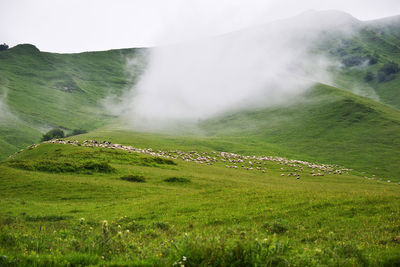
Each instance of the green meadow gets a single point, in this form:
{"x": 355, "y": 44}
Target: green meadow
{"x": 186, "y": 212}
{"x": 76, "y": 205}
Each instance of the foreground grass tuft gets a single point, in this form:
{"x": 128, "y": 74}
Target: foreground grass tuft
{"x": 134, "y": 178}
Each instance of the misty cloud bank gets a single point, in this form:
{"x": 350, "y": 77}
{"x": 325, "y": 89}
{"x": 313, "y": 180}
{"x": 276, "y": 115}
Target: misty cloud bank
{"x": 5, "y": 113}
{"x": 259, "y": 67}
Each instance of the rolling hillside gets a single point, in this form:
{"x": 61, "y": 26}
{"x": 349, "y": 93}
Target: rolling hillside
{"x": 327, "y": 124}
{"x": 374, "y": 44}
{"x": 40, "y": 91}
{"x": 312, "y": 182}
{"x": 65, "y": 204}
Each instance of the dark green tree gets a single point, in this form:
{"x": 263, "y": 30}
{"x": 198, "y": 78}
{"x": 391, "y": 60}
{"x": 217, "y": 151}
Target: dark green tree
{"x": 369, "y": 76}
{"x": 3, "y": 47}
{"x": 373, "y": 59}
{"x": 381, "y": 76}
{"x": 390, "y": 68}
{"x": 53, "y": 134}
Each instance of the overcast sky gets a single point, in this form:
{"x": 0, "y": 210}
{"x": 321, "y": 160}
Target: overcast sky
{"x": 77, "y": 25}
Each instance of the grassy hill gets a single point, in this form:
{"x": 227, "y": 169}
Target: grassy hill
{"x": 40, "y": 90}
{"x": 328, "y": 125}
{"x": 368, "y": 49}
{"x": 67, "y": 204}
{"x": 178, "y": 199}
{"x": 44, "y": 90}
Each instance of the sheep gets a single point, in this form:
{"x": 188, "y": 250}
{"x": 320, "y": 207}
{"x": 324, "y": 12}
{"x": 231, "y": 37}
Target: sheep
{"x": 200, "y": 158}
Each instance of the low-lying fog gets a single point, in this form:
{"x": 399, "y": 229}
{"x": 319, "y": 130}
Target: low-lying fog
{"x": 258, "y": 67}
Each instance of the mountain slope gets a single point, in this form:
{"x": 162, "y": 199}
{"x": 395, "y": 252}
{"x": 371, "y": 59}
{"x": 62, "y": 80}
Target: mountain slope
{"x": 327, "y": 124}
{"x": 367, "y": 50}
{"x": 64, "y": 204}
{"x": 40, "y": 90}
{"x": 44, "y": 90}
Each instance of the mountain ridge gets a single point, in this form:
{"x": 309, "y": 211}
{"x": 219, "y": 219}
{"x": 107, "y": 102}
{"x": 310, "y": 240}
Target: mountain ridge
{"x": 47, "y": 90}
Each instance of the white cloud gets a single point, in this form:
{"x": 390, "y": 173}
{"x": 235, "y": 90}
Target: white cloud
{"x": 5, "y": 113}
{"x": 259, "y": 67}
{"x": 73, "y": 26}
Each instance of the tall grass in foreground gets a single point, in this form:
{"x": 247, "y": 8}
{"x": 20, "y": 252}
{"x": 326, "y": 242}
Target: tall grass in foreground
{"x": 126, "y": 242}
{"x": 189, "y": 214}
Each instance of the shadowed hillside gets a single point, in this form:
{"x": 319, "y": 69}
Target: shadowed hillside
{"x": 363, "y": 55}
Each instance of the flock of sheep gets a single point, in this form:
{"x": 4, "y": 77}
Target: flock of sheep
{"x": 231, "y": 160}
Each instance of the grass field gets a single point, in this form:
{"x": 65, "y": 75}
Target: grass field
{"x": 327, "y": 125}
{"x": 40, "y": 91}
{"x": 44, "y": 90}
{"x": 206, "y": 215}
{"x": 76, "y": 205}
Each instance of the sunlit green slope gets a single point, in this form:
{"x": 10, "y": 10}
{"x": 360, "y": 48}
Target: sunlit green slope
{"x": 72, "y": 205}
{"x": 326, "y": 124}
{"x": 40, "y": 90}
{"x": 367, "y": 50}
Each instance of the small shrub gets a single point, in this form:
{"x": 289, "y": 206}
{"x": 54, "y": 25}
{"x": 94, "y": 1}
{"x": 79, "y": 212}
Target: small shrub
{"x": 387, "y": 72}
{"x": 97, "y": 166}
{"x": 53, "y": 134}
{"x": 134, "y": 178}
{"x": 373, "y": 59}
{"x": 352, "y": 61}
{"x": 176, "y": 180}
{"x": 390, "y": 68}
{"x": 369, "y": 76}
{"x": 163, "y": 161}
{"x": 153, "y": 162}
{"x": 381, "y": 76}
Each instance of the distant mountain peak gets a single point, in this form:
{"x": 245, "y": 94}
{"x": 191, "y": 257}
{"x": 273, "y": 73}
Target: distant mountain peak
{"x": 27, "y": 48}
{"x": 327, "y": 18}
{"x": 329, "y": 13}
